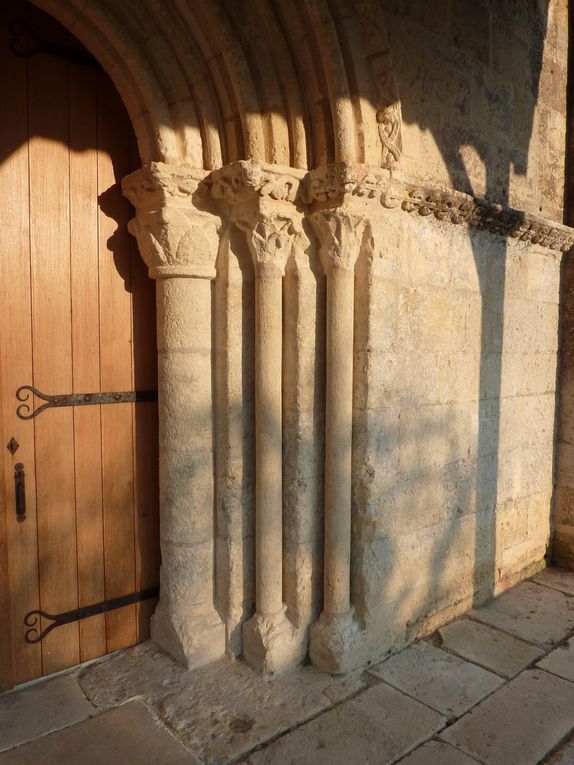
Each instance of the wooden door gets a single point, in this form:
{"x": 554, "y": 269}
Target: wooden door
{"x": 78, "y": 316}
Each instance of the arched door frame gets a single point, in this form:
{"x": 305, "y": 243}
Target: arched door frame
{"x": 231, "y": 142}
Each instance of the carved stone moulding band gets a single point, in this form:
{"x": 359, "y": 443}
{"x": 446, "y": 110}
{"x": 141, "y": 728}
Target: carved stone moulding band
{"x": 338, "y": 182}
{"x": 176, "y": 206}
{"x": 157, "y": 182}
{"x": 457, "y": 207}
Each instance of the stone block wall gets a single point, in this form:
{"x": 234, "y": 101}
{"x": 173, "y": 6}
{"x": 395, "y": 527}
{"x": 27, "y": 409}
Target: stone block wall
{"x": 483, "y": 96}
{"x": 455, "y": 402}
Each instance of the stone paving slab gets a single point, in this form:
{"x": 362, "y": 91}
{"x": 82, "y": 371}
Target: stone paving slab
{"x": 335, "y": 688}
{"x": 442, "y": 681}
{"x": 489, "y": 647}
{"x": 531, "y": 612}
{"x": 560, "y": 661}
{"x": 438, "y": 753}
{"x": 220, "y": 711}
{"x": 127, "y": 734}
{"x": 374, "y": 728}
{"x": 41, "y": 709}
{"x": 519, "y": 724}
{"x": 557, "y": 578}
{"x": 142, "y": 671}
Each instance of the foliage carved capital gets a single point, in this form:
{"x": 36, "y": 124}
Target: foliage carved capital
{"x": 177, "y": 234}
{"x": 264, "y": 202}
{"x": 342, "y": 235}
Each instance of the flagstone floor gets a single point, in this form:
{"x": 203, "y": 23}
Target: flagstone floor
{"x": 495, "y": 687}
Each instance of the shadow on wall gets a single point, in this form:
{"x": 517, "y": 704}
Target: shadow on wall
{"x": 471, "y": 84}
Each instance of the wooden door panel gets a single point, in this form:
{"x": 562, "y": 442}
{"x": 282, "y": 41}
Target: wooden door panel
{"x": 146, "y": 452}
{"x": 85, "y": 307}
{"x": 16, "y": 363}
{"x": 52, "y": 351}
{"x": 116, "y": 368}
{"x": 81, "y": 319}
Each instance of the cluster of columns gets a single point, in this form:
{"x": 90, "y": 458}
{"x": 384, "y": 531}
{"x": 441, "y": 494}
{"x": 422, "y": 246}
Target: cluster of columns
{"x": 177, "y": 224}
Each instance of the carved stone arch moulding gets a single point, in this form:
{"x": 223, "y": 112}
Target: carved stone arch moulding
{"x": 268, "y": 101}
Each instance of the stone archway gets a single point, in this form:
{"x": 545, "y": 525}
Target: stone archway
{"x": 270, "y": 135}
{"x": 298, "y": 87}
{"x": 204, "y": 95}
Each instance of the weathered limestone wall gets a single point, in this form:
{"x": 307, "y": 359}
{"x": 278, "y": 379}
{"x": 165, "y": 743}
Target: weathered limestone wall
{"x": 454, "y": 421}
{"x": 563, "y": 518}
{"x": 369, "y": 436}
{"x": 483, "y": 96}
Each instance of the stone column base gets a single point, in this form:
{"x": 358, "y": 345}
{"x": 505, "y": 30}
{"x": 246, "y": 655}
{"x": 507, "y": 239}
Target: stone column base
{"x": 272, "y": 644}
{"x": 192, "y": 639}
{"x": 337, "y": 644}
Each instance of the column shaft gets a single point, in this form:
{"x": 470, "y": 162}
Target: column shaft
{"x": 268, "y": 442}
{"x": 336, "y": 638}
{"x": 186, "y": 622}
{"x": 338, "y": 444}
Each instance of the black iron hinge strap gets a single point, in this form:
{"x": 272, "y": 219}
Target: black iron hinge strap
{"x": 32, "y": 617}
{"x": 25, "y": 412}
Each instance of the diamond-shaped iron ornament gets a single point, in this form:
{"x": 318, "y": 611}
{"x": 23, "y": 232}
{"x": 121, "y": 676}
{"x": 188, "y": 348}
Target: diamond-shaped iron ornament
{"x": 12, "y": 445}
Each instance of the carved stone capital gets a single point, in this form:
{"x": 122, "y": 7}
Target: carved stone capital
{"x": 176, "y": 233}
{"x": 271, "y": 239}
{"x": 250, "y": 181}
{"x": 345, "y": 182}
{"x": 341, "y": 235}
{"x": 263, "y": 201}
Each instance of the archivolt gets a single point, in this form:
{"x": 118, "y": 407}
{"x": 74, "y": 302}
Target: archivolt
{"x": 207, "y": 82}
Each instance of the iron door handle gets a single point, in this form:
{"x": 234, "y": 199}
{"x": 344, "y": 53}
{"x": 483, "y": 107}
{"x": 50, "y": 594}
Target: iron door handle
{"x": 20, "y": 492}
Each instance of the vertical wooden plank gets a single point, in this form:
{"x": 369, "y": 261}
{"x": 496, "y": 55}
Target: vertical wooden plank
{"x": 6, "y": 664}
{"x": 20, "y": 541}
{"x": 146, "y": 452}
{"x": 116, "y": 365}
{"x": 52, "y": 352}
{"x": 85, "y": 346}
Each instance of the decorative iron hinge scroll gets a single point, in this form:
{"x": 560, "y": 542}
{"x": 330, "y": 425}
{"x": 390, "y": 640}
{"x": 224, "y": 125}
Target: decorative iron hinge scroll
{"x": 25, "y": 411}
{"x": 34, "y": 634}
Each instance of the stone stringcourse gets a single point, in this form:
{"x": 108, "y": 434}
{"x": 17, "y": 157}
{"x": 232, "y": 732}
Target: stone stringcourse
{"x": 457, "y": 207}
{"x": 333, "y": 183}
{"x": 337, "y": 182}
